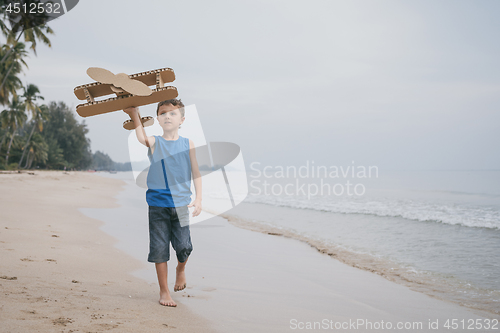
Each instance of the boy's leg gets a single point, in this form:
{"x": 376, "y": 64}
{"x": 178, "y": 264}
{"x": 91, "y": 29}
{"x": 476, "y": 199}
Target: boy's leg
{"x": 181, "y": 242}
{"x": 180, "y": 276}
{"x": 162, "y": 273}
{"x": 159, "y": 242}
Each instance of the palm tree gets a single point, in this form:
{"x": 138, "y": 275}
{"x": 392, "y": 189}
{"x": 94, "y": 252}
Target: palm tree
{"x": 9, "y": 71}
{"x": 4, "y": 125}
{"x": 31, "y": 94}
{"x": 33, "y": 27}
{"x": 38, "y": 33}
{"x": 39, "y": 113}
{"x": 15, "y": 118}
{"x": 38, "y": 151}
{"x": 11, "y": 68}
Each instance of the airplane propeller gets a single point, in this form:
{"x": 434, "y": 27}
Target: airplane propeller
{"x": 120, "y": 80}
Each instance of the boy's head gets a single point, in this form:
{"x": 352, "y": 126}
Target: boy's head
{"x": 170, "y": 114}
{"x": 174, "y": 102}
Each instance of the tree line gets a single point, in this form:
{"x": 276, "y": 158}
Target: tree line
{"x": 33, "y": 134}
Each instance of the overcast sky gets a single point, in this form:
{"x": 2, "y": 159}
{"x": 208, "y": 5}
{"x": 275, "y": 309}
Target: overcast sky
{"x": 397, "y": 84}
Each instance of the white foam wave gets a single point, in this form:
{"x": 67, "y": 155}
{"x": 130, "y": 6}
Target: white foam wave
{"x": 453, "y": 214}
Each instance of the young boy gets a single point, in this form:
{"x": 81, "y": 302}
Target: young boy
{"x": 173, "y": 161}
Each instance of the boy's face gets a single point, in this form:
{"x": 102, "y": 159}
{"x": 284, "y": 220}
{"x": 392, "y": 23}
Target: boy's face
{"x": 169, "y": 117}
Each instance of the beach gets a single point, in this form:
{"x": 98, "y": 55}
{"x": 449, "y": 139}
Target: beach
{"x": 60, "y": 273}
{"x": 74, "y": 250}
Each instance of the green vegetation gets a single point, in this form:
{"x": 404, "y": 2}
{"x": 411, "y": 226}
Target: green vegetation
{"x": 102, "y": 161}
{"x": 37, "y": 135}
{"x": 68, "y": 146}
{"x": 52, "y": 139}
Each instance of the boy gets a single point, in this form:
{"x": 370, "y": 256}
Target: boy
{"x": 173, "y": 161}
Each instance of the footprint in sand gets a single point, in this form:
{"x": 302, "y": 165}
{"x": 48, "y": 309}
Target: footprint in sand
{"x": 166, "y": 325}
{"x": 62, "y": 321}
{"x": 108, "y": 326}
{"x": 96, "y": 316}
{"x": 28, "y": 311}
{"x": 208, "y": 289}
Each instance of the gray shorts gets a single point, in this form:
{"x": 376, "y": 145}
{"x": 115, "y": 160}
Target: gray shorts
{"x": 169, "y": 224}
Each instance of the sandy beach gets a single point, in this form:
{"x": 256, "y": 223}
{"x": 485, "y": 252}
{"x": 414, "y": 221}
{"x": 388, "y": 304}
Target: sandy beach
{"x": 60, "y": 273}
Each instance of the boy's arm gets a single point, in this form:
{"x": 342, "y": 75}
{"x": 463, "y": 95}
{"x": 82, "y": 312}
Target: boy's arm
{"x": 196, "y": 179}
{"x": 148, "y": 141}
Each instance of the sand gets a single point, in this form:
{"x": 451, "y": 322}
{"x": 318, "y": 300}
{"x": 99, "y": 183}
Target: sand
{"x": 60, "y": 273}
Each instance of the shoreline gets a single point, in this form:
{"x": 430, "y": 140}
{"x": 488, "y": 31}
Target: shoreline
{"x": 430, "y": 285}
{"x": 60, "y": 271}
{"x": 251, "y": 281}
{"x": 378, "y": 266}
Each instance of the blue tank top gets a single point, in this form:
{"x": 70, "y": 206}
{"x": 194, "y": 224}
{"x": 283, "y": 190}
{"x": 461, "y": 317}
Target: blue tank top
{"x": 169, "y": 176}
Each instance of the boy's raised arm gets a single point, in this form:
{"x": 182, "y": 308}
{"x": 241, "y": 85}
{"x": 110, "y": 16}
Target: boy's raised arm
{"x": 148, "y": 141}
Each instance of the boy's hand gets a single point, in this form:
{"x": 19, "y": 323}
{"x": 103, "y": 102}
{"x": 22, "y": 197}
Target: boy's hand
{"x": 197, "y": 207}
{"x": 131, "y": 110}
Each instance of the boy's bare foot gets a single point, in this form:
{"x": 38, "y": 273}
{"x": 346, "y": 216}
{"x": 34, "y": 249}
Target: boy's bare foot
{"x": 166, "y": 300}
{"x": 180, "y": 280}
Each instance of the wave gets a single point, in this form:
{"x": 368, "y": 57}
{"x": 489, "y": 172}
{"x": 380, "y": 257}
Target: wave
{"x": 482, "y": 217}
{"x": 415, "y": 210}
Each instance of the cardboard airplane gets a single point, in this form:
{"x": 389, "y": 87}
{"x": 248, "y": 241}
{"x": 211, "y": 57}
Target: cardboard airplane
{"x": 130, "y": 90}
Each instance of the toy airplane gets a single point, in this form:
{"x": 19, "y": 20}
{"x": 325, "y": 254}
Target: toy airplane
{"x": 130, "y": 90}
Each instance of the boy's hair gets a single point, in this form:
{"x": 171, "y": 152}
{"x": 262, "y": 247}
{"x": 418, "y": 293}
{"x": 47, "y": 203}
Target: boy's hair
{"x": 174, "y": 102}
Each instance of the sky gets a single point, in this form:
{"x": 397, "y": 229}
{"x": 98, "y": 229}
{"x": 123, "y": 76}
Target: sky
{"x": 401, "y": 85}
